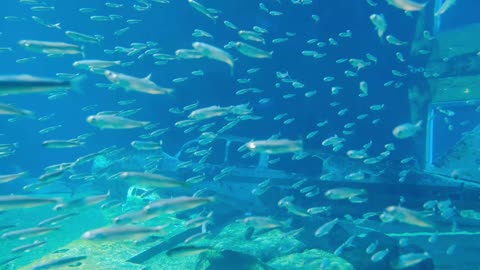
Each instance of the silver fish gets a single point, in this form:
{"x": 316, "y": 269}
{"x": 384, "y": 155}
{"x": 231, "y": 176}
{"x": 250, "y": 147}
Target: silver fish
{"x": 122, "y": 232}
{"x": 49, "y": 47}
{"x": 28, "y": 84}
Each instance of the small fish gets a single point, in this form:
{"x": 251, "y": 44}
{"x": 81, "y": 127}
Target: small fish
{"x": 56, "y": 219}
{"x": 187, "y": 251}
{"x": 82, "y": 202}
{"x": 8, "y": 202}
{"x": 146, "y": 145}
{"x": 176, "y": 204}
{"x": 409, "y": 260}
{"x": 407, "y": 5}
{"x": 28, "y": 247}
{"x": 196, "y": 237}
{"x": 150, "y": 180}
{"x": 202, "y": 9}
{"x": 344, "y": 193}
{"x": 318, "y": 210}
{"x": 372, "y": 247}
{"x": 214, "y": 53}
{"x": 446, "y": 5}
{"x": 114, "y": 122}
{"x": 5, "y": 178}
{"x": 132, "y": 217}
{"x": 262, "y": 223}
{"x": 217, "y": 111}
{"x": 60, "y": 144}
{"x": 7, "y": 109}
{"x": 28, "y": 84}
{"x": 251, "y": 35}
{"x": 95, "y": 64}
{"x": 122, "y": 232}
{"x": 407, "y": 130}
{"x": 142, "y": 85}
{"x": 379, "y": 255}
{"x": 251, "y": 51}
{"x": 326, "y": 228}
{"x": 407, "y": 216}
{"x": 279, "y": 146}
{"x": 380, "y": 24}
{"x": 395, "y": 41}
{"x": 29, "y": 232}
{"x": 50, "y": 48}
{"x": 83, "y": 37}
{"x": 59, "y": 262}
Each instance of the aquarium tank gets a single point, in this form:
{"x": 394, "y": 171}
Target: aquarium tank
{"x": 248, "y": 134}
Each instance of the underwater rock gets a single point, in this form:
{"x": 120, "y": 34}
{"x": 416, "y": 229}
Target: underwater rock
{"x": 232, "y": 260}
{"x": 310, "y": 259}
{"x": 263, "y": 245}
{"x": 355, "y": 252}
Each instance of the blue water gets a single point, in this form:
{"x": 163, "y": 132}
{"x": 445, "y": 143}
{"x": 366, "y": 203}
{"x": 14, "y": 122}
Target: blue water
{"x": 171, "y": 26}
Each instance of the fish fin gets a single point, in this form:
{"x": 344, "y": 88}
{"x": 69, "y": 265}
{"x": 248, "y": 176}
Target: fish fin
{"x": 75, "y": 84}
{"x": 147, "y": 78}
{"x": 82, "y": 49}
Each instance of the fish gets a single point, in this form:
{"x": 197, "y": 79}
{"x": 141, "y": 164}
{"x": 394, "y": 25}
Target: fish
{"x": 142, "y": 85}
{"x": 344, "y": 193}
{"x": 7, "y": 109}
{"x": 9, "y": 260}
{"x": 407, "y": 216}
{"x": 188, "y": 54}
{"x": 83, "y": 37}
{"x": 8, "y": 202}
{"x": 446, "y": 5}
{"x": 262, "y": 223}
{"x": 296, "y": 210}
{"x": 202, "y": 9}
{"x": 251, "y": 35}
{"x": 151, "y": 180}
{"x": 5, "y": 178}
{"x": 28, "y": 84}
{"x": 278, "y": 146}
{"x": 380, "y": 23}
{"x": 29, "y": 232}
{"x": 132, "y": 217}
{"x": 197, "y": 237}
{"x": 59, "y": 262}
{"x": 407, "y": 130}
{"x": 217, "y": 111}
{"x": 407, "y": 5}
{"x": 82, "y": 202}
{"x": 146, "y": 145}
{"x": 176, "y": 204}
{"x": 379, "y": 255}
{"x": 28, "y": 247}
{"x": 214, "y": 53}
{"x": 56, "y": 219}
{"x": 122, "y": 232}
{"x": 397, "y": 42}
{"x": 60, "y": 144}
{"x": 51, "y": 48}
{"x": 409, "y": 259}
{"x": 326, "y": 228}
{"x": 114, "y": 122}
{"x": 187, "y": 251}
{"x": 95, "y": 64}
{"x": 251, "y": 51}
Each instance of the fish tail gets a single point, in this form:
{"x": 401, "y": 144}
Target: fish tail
{"x": 76, "y": 82}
